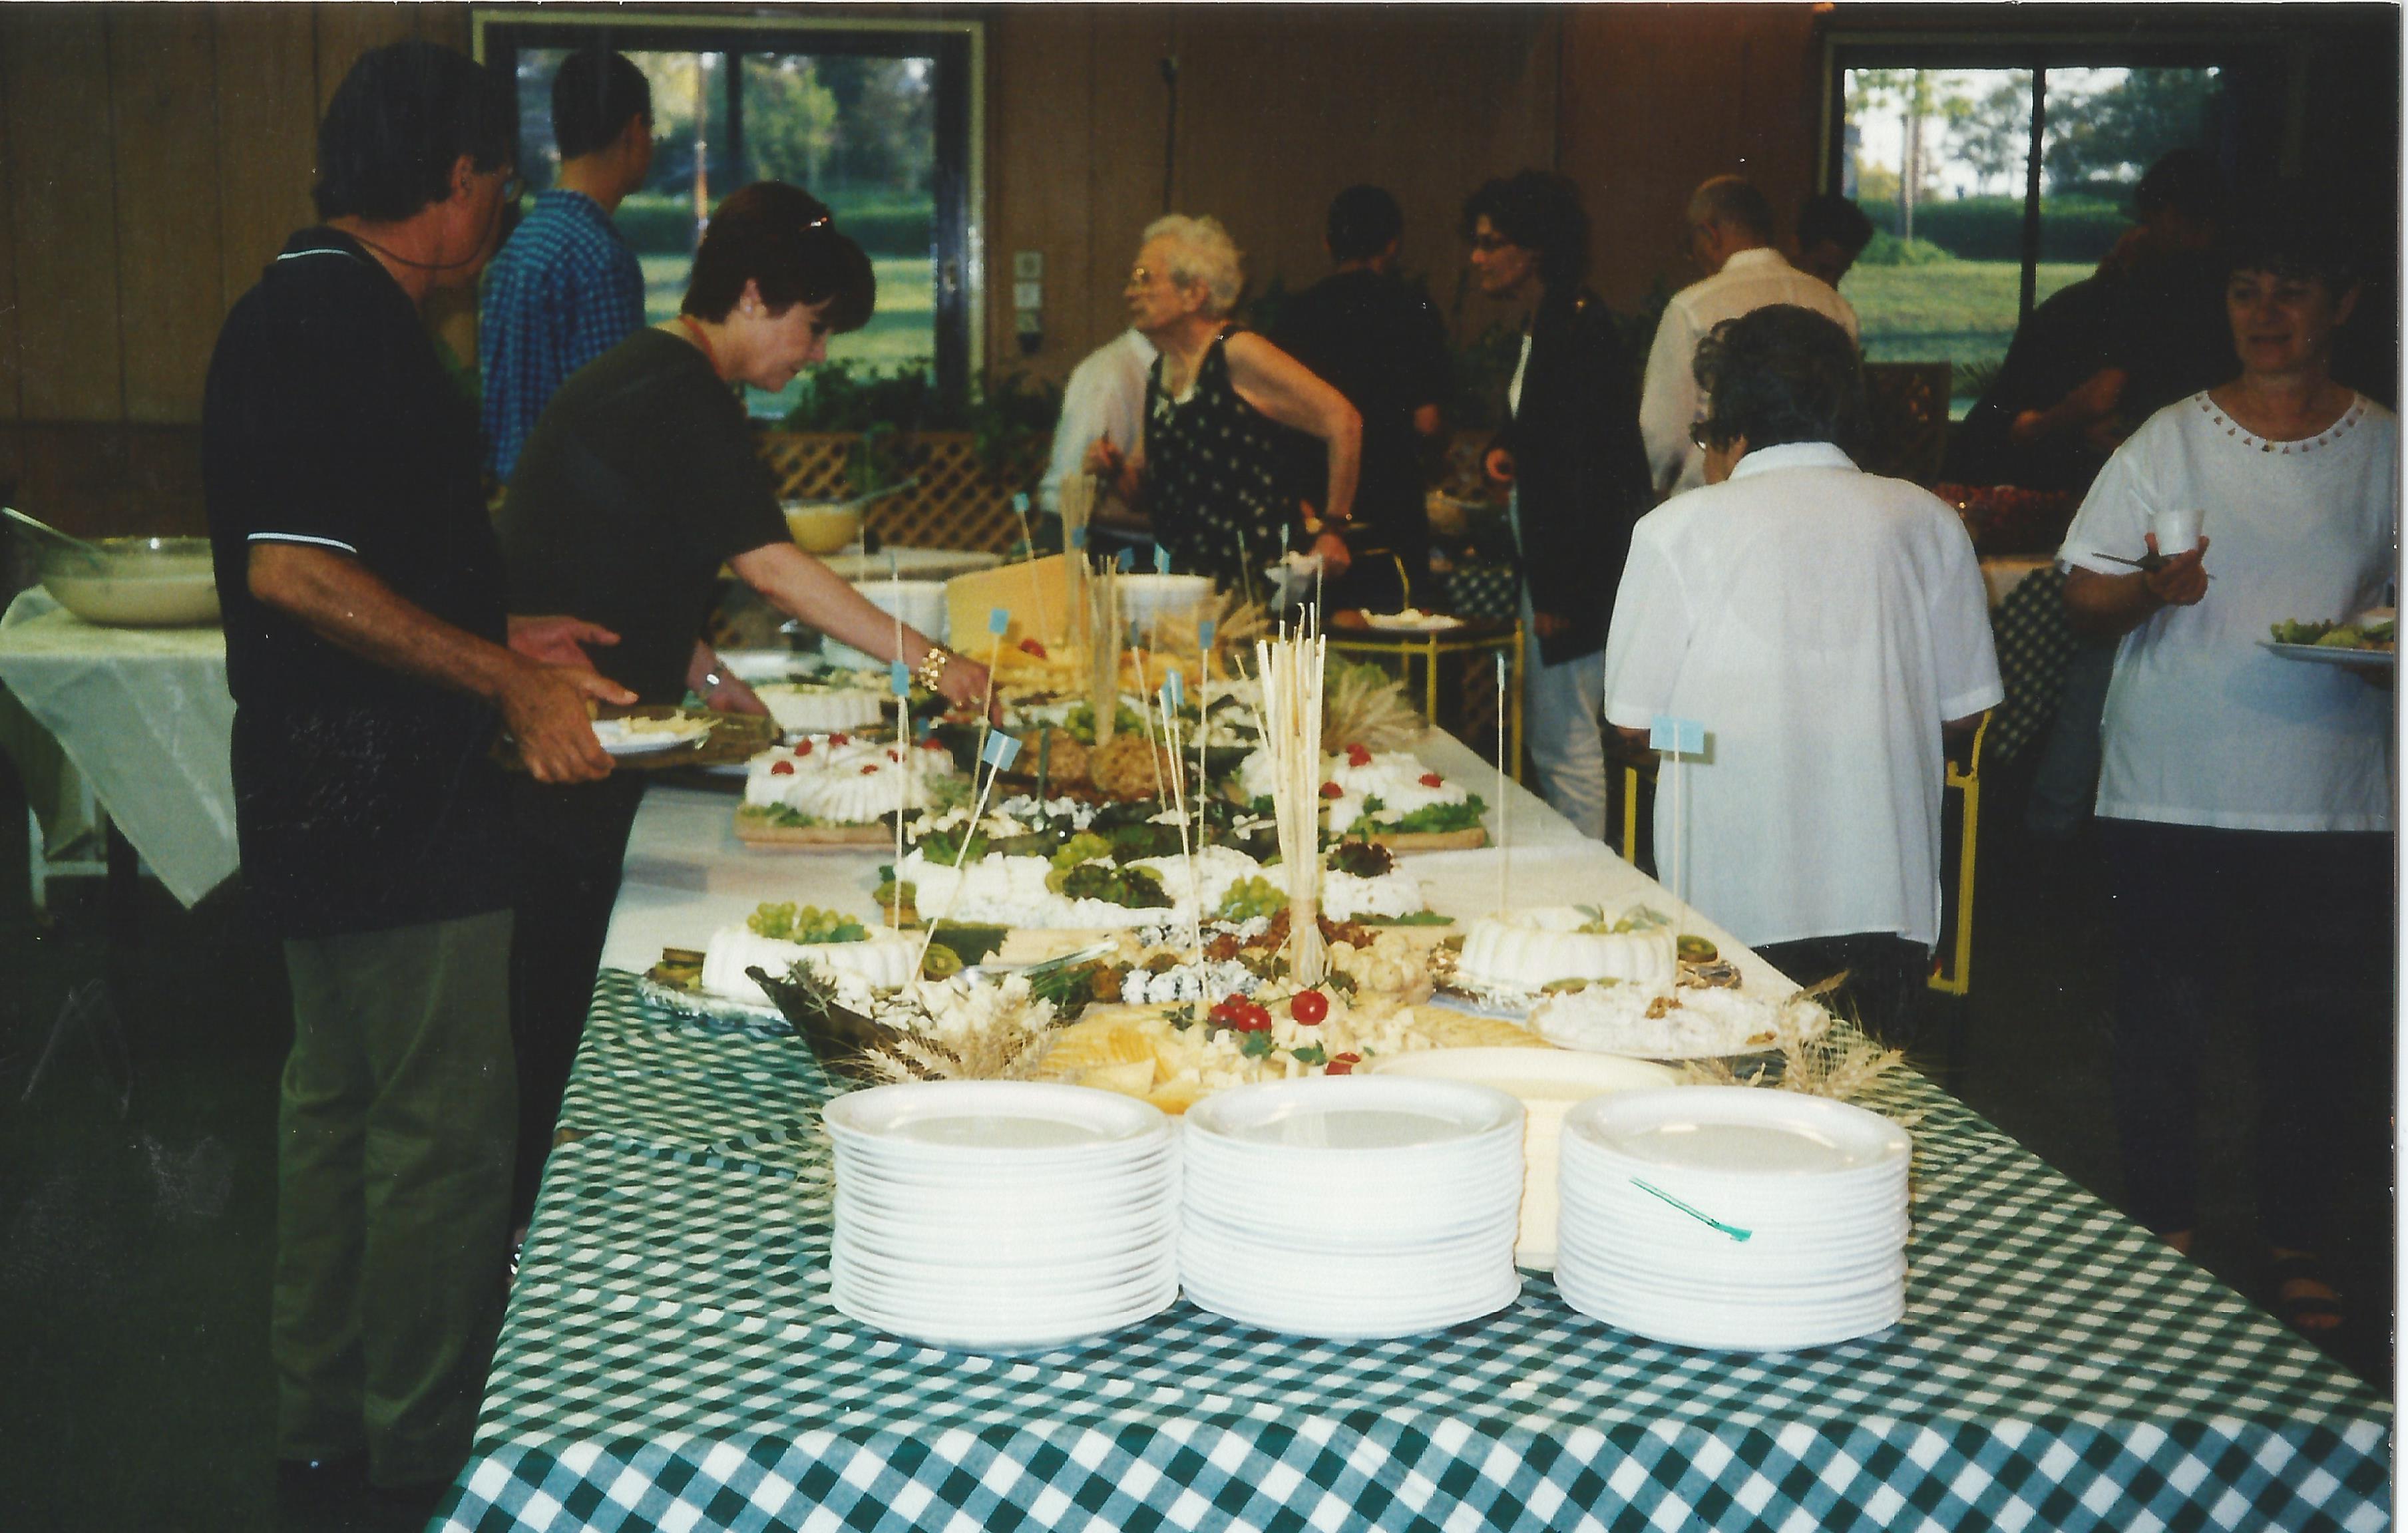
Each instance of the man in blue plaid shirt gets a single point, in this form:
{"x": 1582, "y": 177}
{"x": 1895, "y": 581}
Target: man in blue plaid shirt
{"x": 567, "y": 288}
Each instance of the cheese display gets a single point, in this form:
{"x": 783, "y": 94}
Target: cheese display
{"x": 844, "y": 780}
{"x": 805, "y": 708}
{"x": 1530, "y": 950}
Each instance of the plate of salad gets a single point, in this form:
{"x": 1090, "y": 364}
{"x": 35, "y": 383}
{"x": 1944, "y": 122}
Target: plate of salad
{"x": 2368, "y": 640}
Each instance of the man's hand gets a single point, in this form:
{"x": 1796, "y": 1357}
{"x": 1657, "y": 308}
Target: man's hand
{"x": 1498, "y": 466}
{"x": 545, "y": 707}
{"x": 1335, "y": 558}
{"x": 558, "y": 640}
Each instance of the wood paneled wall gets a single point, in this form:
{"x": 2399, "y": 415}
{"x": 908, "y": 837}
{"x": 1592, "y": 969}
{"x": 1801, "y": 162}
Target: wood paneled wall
{"x": 1277, "y": 109}
{"x": 1669, "y": 96}
{"x": 154, "y": 157}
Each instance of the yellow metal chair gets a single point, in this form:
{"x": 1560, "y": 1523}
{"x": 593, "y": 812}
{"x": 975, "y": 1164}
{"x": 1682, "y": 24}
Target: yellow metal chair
{"x": 1952, "y": 970}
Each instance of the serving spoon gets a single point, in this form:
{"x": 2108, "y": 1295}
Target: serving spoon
{"x": 92, "y": 552}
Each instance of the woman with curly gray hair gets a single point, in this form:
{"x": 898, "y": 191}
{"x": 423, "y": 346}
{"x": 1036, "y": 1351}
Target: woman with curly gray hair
{"x": 1825, "y": 626}
{"x": 1207, "y": 471}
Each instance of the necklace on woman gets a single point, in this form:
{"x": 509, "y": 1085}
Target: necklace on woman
{"x": 701, "y": 338}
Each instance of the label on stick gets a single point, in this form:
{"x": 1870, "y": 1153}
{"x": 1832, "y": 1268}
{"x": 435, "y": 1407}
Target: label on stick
{"x": 1002, "y": 750}
{"x": 1682, "y": 737}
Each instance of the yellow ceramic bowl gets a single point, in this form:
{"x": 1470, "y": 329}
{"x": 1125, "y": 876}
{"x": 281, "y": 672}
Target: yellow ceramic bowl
{"x": 820, "y": 526}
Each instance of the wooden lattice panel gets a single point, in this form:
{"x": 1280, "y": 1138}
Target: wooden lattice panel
{"x": 817, "y": 467}
{"x": 956, "y": 505}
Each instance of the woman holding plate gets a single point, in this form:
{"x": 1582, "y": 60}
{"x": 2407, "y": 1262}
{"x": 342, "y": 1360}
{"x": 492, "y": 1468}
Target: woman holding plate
{"x": 2244, "y": 795}
{"x": 638, "y": 482}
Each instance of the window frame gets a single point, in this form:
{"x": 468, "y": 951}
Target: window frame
{"x": 959, "y": 47}
{"x": 2039, "y": 53}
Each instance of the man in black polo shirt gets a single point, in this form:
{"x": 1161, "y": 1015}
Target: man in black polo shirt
{"x": 371, "y": 664}
{"x": 1382, "y": 346}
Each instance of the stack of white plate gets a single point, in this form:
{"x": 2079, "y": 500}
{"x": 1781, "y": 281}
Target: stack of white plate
{"x": 1734, "y": 1217}
{"x": 1548, "y": 1083}
{"x": 1002, "y": 1216}
{"x": 1352, "y": 1206}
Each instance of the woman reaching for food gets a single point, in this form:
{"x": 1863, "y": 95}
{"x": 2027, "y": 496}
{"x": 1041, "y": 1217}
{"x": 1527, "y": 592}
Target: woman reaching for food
{"x": 639, "y": 481}
{"x": 1208, "y": 470}
{"x": 2245, "y": 798}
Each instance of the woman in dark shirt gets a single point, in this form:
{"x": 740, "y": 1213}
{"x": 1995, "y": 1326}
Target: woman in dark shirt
{"x": 1207, "y": 472}
{"x": 639, "y": 481}
{"x": 1571, "y": 451}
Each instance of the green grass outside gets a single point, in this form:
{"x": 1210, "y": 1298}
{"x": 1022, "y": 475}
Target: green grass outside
{"x": 1956, "y": 312}
{"x": 902, "y": 331}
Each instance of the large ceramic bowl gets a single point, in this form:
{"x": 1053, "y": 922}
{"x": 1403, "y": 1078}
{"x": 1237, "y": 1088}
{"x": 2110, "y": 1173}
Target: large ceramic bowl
{"x": 823, "y": 526}
{"x": 136, "y": 582}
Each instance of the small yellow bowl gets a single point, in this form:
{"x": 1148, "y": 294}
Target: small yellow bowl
{"x": 820, "y": 527}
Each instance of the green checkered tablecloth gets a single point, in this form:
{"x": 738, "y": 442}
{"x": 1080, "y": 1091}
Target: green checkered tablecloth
{"x": 670, "y": 1361}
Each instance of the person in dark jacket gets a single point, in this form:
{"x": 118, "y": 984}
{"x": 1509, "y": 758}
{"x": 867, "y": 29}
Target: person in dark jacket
{"x": 1382, "y": 345}
{"x": 1570, "y": 449}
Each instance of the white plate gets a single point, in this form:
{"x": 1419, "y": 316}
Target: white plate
{"x": 1410, "y": 621}
{"x": 1743, "y": 1131}
{"x": 620, "y": 740}
{"x": 2326, "y": 655}
{"x": 1535, "y": 1076}
{"x": 1345, "y": 1322}
{"x": 959, "y": 1119}
{"x": 1042, "y": 1335}
{"x": 1355, "y": 1115}
{"x": 764, "y": 665}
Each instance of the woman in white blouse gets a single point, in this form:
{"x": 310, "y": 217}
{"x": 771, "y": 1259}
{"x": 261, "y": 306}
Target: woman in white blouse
{"x": 2245, "y": 798}
{"x": 1825, "y": 626}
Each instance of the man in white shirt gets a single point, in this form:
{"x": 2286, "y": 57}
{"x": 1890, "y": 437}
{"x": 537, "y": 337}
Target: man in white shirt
{"x": 1730, "y": 233}
{"x": 1105, "y": 398}
{"x": 1824, "y": 626}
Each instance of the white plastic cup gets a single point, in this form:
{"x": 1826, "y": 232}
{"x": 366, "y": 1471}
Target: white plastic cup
{"x": 2177, "y": 531}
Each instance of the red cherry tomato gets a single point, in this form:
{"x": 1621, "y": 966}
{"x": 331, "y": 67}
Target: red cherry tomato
{"x": 1342, "y": 1064}
{"x": 1357, "y": 755}
{"x": 1308, "y": 1006}
{"x": 1331, "y": 790}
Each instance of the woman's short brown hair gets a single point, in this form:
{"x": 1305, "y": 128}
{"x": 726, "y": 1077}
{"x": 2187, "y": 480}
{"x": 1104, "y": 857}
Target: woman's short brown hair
{"x": 783, "y": 240}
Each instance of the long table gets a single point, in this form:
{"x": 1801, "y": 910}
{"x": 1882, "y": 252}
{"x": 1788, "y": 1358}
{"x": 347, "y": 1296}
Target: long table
{"x": 670, "y": 1359}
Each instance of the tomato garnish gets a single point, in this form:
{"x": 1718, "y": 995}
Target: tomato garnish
{"x": 1357, "y": 755}
{"x": 1432, "y": 780}
{"x": 1331, "y": 790}
{"x": 1308, "y": 1006}
{"x": 782, "y": 768}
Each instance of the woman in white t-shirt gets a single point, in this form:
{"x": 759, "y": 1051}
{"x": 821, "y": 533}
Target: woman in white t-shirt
{"x": 2246, "y": 798}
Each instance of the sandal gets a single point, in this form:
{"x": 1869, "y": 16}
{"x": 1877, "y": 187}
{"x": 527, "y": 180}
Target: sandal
{"x": 2290, "y": 1276}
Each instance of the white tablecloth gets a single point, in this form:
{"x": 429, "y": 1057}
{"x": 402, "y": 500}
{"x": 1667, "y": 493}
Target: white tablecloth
{"x": 910, "y": 563}
{"x": 144, "y": 715}
{"x": 686, "y": 874}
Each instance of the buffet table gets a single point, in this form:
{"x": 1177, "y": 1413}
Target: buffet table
{"x": 670, "y": 1359}
{"x": 145, "y": 716}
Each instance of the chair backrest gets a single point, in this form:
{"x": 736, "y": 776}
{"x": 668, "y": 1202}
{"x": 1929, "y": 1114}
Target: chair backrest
{"x": 1907, "y": 436}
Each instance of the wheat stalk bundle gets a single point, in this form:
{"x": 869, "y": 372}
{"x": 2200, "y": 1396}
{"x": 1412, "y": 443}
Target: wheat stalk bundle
{"x": 1291, "y": 671}
{"x": 1366, "y": 707}
{"x": 1104, "y": 652}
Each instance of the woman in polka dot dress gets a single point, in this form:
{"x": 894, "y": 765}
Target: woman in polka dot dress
{"x": 1207, "y": 472}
